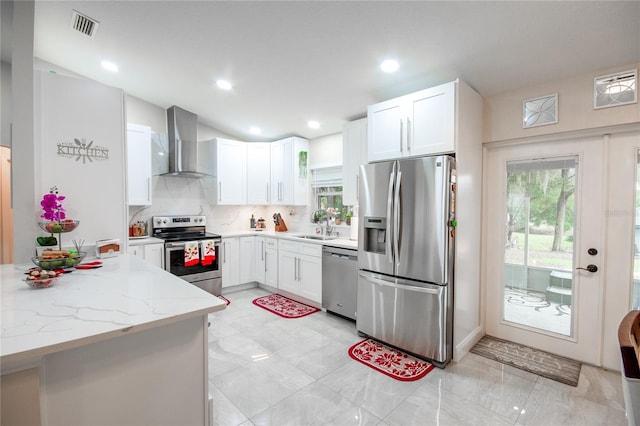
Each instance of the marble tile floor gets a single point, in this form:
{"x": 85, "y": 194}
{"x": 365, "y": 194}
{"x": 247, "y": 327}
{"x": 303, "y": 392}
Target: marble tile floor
{"x": 268, "y": 370}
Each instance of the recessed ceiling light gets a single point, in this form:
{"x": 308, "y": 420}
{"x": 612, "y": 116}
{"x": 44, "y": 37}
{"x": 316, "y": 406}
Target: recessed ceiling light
{"x": 109, "y": 66}
{"x": 255, "y": 130}
{"x": 390, "y": 65}
{"x": 224, "y": 84}
{"x": 313, "y": 124}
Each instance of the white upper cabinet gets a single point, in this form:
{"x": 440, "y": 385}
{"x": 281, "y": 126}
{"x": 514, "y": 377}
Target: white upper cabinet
{"x": 258, "y": 173}
{"x": 231, "y": 171}
{"x": 289, "y": 171}
{"x": 138, "y": 165}
{"x": 354, "y": 153}
{"x": 422, "y": 123}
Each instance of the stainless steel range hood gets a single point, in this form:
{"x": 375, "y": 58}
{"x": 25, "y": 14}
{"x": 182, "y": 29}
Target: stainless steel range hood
{"x": 187, "y": 157}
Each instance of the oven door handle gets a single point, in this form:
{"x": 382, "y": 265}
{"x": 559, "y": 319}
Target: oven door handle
{"x": 174, "y": 245}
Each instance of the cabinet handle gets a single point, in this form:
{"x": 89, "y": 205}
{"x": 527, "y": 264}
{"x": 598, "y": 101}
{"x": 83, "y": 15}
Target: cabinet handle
{"x": 401, "y": 129}
{"x": 224, "y": 248}
{"x": 268, "y": 195}
{"x": 295, "y": 268}
{"x": 262, "y": 251}
{"x": 358, "y": 187}
{"x": 220, "y": 191}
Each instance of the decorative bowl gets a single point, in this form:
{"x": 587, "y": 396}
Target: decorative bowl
{"x": 41, "y": 282}
{"x": 61, "y": 263}
{"x": 66, "y": 225}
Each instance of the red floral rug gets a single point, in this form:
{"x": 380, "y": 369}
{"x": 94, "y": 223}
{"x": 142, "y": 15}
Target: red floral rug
{"x": 284, "y": 306}
{"x": 389, "y": 361}
{"x": 225, "y": 300}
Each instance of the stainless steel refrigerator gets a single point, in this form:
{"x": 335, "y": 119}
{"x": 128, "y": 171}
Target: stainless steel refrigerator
{"x": 406, "y": 255}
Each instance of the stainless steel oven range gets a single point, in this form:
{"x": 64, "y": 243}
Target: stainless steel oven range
{"x": 177, "y": 232}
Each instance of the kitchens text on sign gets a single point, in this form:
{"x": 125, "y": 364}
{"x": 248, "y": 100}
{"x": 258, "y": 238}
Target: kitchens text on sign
{"x": 80, "y": 149}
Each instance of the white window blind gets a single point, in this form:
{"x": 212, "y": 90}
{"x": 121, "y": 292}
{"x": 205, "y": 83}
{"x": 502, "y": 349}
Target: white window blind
{"x": 326, "y": 176}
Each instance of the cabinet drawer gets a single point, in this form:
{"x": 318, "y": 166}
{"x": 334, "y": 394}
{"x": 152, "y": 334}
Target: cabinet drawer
{"x": 311, "y": 249}
{"x": 271, "y": 243}
{"x": 286, "y": 245}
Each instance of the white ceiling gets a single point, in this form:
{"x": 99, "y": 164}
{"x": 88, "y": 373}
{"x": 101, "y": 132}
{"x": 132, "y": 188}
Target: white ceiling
{"x": 294, "y": 61}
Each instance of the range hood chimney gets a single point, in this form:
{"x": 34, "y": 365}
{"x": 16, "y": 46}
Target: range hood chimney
{"x": 186, "y": 157}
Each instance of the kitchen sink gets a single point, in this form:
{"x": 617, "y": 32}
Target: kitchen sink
{"x": 315, "y": 237}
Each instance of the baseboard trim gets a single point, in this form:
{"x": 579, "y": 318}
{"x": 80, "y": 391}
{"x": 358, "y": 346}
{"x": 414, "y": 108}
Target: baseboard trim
{"x": 463, "y": 348}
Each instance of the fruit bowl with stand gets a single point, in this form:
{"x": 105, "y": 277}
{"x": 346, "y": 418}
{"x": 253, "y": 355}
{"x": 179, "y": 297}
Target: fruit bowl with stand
{"x": 52, "y": 227}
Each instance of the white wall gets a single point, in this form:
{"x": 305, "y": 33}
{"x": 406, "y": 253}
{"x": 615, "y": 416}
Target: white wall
{"x": 73, "y": 111}
{"x": 23, "y": 145}
{"x": 503, "y": 112}
{"x": 5, "y": 103}
{"x": 325, "y": 151}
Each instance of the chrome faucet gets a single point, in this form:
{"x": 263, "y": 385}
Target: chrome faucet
{"x": 328, "y": 229}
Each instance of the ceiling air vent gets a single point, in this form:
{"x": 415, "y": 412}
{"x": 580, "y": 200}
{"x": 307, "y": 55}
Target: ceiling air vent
{"x": 84, "y": 24}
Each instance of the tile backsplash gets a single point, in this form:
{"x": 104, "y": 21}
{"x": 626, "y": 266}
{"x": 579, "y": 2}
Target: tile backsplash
{"x": 179, "y": 195}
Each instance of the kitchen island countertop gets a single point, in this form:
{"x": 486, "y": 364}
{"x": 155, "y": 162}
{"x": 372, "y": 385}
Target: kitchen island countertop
{"x": 125, "y": 295}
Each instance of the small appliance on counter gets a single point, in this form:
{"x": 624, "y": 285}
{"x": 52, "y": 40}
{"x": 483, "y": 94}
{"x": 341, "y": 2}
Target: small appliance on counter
{"x": 138, "y": 230}
{"x": 108, "y": 248}
{"x": 262, "y": 224}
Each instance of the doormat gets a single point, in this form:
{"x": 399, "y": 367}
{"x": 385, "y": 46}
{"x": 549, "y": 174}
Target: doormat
{"x": 554, "y": 367}
{"x": 284, "y": 306}
{"x": 389, "y": 361}
{"x": 225, "y": 300}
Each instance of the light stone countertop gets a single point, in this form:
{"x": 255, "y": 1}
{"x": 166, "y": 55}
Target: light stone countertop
{"x": 289, "y": 235}
{"x": 125, "y": 295}
{"x": 144, "y": 241}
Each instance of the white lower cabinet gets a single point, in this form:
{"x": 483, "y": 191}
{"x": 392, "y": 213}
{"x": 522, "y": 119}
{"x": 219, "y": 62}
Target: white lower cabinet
{"x": 248, "y": 259}
{"x": 300, "y": 269}
{"x": 230, "y": 261}
{"x": 260, "y": 259}
{"x": 240, "y": 260}
{"x": 271, "y": 262}
{"x": 152, "y": 253}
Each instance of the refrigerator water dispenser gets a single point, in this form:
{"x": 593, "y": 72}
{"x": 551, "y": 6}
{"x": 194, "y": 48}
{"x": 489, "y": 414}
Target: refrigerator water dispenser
{"x": 375, "y": 234}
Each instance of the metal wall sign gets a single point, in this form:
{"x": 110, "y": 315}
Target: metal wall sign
{"x": 79, "y": 149}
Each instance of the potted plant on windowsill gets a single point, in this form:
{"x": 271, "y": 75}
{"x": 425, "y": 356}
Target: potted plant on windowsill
{"x": 348, "y": 217}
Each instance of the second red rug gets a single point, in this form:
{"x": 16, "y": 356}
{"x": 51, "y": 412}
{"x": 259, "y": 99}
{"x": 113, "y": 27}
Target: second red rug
{"x": 284, "y": 306}
{"x": 389, "y": 361}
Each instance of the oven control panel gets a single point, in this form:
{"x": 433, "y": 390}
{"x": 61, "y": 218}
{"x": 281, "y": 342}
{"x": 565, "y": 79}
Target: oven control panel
{"x": 178, "y": 221}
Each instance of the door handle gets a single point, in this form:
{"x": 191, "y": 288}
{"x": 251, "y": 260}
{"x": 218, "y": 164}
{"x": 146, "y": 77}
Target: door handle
{"x": 591, "y": 268}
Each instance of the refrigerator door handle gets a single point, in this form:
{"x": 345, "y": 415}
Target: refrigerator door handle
{"x": 396, "y": 219}
{"x": 392, "y": 284}
{"x": 390, "y": 209}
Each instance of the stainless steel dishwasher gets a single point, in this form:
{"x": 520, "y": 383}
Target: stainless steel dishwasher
{"x": 340, "y": 281}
